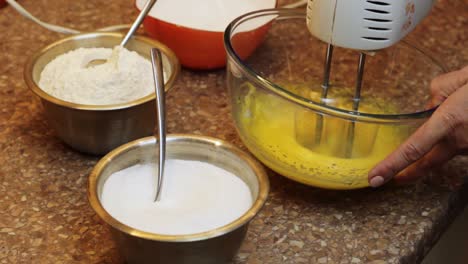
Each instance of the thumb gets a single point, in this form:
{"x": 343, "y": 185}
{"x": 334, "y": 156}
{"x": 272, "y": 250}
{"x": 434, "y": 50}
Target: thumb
{"x": 444, "y": 85}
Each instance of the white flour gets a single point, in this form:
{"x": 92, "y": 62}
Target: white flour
{"x": 196, "y": 197}
{"x": 127, "y": 76}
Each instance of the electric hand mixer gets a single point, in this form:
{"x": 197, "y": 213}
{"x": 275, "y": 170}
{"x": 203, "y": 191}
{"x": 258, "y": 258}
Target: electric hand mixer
{"x": 363, "y": 25}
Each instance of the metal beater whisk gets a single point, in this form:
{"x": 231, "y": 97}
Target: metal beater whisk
{"x": 356, "y": 98}
{"x": 366, "y": 25}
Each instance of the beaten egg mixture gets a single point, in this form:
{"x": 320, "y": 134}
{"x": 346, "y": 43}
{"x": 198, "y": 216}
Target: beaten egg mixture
{"x": 284, "y": 136}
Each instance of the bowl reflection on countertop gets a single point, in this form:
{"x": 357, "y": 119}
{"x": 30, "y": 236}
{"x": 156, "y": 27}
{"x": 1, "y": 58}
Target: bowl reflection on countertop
{"x": 97, "y": 129}
{"x": 279, "y": 115}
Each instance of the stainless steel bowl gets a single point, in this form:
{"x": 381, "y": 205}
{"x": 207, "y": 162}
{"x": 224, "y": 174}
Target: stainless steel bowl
{"x": 97, "y": 129}
{"x": 215, "y": 246}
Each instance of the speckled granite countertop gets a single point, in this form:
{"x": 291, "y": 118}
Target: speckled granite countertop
{"x": 45, "y": 216}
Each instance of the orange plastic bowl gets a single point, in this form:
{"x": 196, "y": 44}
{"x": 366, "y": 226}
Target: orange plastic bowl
{"x": 201, "y": 49}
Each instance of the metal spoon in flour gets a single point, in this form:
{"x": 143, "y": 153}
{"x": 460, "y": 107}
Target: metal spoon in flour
{"x": 149, "y": 4}
{"x": 158, "y": 78}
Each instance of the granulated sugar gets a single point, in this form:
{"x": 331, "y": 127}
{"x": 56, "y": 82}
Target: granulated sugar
{"x": 125, "y": 77}
{"x": 196, "y": 197}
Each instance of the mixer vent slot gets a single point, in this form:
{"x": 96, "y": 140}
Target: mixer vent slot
{"x": 375, "y": 39}
{"x": 380, "y": 3}
{"x": 379, "y": 28}
{"x": 377, "y": 11}
{"x": 378, "y": 20}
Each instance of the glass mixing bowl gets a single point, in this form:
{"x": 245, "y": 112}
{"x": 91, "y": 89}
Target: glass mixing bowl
{"x": 275, "y": 94}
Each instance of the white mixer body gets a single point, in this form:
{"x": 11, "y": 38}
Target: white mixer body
{"x": 365, "y": 24}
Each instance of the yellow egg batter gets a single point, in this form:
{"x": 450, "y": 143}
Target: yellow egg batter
{"x": 284, "y": 137}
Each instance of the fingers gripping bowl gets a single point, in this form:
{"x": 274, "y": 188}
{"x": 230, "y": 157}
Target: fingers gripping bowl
{"x": 276, "y": 102}
{"x": 97, "y": 129}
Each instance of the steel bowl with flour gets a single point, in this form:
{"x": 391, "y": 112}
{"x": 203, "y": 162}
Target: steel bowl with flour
{"x": 97, "y": 129}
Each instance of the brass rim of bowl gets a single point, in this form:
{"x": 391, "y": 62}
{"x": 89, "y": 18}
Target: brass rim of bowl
{"x": 28, "y": 72}
{"x": 259, "y": 171}
{"x": 253, "y": 76}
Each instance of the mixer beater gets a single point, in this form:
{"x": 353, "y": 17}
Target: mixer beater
{"x": 363, "y": 25}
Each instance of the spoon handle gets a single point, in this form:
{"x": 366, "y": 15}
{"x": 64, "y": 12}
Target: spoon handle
{"x": 149, "y": 4}
{"x": 158, "y": 77}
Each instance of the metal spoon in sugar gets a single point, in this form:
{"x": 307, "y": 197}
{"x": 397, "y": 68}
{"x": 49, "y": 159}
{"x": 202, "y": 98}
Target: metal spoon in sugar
{"x": 158, "y": 76}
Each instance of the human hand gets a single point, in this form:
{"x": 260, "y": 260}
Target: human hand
{"x": 443, "y": 136}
